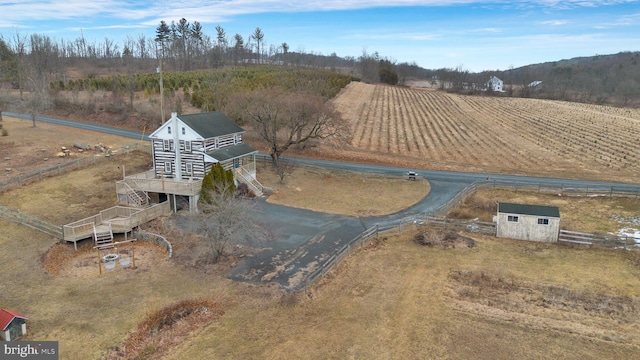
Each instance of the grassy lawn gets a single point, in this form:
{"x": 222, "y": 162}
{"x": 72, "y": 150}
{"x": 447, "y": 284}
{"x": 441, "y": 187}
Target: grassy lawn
{"x": 343, "y": 192}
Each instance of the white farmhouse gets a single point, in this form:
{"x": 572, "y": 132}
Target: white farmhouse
{"x": 184, "y": 149}
{"x": 494, "y": 84}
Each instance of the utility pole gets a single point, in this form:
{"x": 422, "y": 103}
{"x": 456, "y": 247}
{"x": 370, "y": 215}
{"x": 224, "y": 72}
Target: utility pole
{"x": 159, "y": 70}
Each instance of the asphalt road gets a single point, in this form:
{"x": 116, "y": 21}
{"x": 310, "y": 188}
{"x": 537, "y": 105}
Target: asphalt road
{"x": 82, "y": 125}
{"x": 303, "y": 239}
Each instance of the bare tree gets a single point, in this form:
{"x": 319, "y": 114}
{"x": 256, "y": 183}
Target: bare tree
{"x": 369, "y": 66}
{"x": 284, "y": 119}
{"x": 19, "y": 45}
{"x": 42, "y": 70}
{"x": 226, "y": 221}
{"x": 284, "y": 168}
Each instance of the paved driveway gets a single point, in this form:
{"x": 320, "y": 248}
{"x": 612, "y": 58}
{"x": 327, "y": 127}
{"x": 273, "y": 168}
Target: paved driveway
{"x": 305, "y": 239}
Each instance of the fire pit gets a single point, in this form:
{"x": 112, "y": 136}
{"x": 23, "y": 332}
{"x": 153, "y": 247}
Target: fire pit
{"x": 110, "y": 257}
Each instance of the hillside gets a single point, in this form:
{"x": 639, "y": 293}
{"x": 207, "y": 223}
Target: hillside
{"x": 612, "y": 79}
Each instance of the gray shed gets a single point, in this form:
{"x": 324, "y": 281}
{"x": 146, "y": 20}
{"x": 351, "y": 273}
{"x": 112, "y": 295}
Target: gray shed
{"x": 528, "y": 222}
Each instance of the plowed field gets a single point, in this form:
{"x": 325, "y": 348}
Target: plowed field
{"x": 438, "y": 130}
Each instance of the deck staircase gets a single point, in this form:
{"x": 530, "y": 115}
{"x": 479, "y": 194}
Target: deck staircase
{"x": 136, "y": 197}
{"x": 103, "y": 236}
{"x": 244, "y": 177}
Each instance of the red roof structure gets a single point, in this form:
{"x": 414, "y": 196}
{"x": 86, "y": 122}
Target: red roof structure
{"x": 7, "y": 316}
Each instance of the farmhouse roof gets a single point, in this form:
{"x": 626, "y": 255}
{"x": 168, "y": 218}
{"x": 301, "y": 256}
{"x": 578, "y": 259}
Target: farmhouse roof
{"x": 232, "y": 152}
{"x": 7, "y": 316}
{"x": 535, "y": 210}
{"x": 211, "y": 124}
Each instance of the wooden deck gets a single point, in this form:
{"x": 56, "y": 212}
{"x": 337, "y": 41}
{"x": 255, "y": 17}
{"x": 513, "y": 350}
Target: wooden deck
{"x": 148, "y": 182}
{"x": 121, "y": 218}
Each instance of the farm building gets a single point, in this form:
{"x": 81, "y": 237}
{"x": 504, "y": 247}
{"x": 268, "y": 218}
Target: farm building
{"x": 528, "y": 222}
{"x": 535, "y": 83}
{"x": 494, "y": 84}
{"x": 184, "y": 149}
{"x": 13, "y": 325}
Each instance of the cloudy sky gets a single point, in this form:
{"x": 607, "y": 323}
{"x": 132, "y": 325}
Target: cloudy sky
{"x": 477, "y": 35}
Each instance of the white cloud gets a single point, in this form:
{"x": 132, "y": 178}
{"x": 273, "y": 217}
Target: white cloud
{"x": 554, "y": 22}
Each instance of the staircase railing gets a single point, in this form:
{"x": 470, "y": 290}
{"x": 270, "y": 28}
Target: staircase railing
{"x": 253, "y": 183}
{"x": 135, "y": 196}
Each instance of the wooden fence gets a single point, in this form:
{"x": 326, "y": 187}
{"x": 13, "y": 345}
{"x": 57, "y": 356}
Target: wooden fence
{"x": 62, "y": 168}
{"x": 596, "y": 239}
{"x": 489, "y": 228}
{"x": 31, "y": 221}
{"x": 548, "y": 188}
{"x": 334, "y": 259}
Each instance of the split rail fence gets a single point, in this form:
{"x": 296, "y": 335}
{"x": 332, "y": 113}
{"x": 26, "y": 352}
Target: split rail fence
{"x": 334, "y": 259}
{"x": 31, "y": 221}
{"x": 596, "y": 239}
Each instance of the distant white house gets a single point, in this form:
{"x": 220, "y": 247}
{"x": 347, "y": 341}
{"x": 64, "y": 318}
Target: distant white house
{"x": 494, "y": 84}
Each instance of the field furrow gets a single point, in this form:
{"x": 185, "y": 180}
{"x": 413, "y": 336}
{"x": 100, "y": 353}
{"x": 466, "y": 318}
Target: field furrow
{"x": 496, "y": 133}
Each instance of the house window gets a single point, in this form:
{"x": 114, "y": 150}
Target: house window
{"x": 543, "y": 221}
{"x": 166, "y": 145}
{"x": 187, "y": 146}
{"x": 188, "y": 169}
{"x": 512, "y": 218}
{"x": 184, "y": 132}
{"x": 167, "y": 167}
{"x": 169, "y": 129}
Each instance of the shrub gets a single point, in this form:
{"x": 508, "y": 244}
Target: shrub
{"x": 5, "y": 132}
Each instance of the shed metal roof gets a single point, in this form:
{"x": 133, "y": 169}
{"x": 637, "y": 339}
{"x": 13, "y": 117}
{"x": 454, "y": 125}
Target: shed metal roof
{"x": 232, "y": 152}
{"x": 211, "y": 124}
{"x": 7, "y": 316}
{"x": 535, "y": 210}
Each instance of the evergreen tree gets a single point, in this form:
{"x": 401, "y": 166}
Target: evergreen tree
{"x": 217, "y": 181}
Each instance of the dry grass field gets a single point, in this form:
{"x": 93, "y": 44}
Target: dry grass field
{"x": 499, "y": 300}
{"x": 27, "y": 148}
{"x": 434, "y": 129}
{"x": 343, "y": 192}
{"x": 600, "y": 214}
